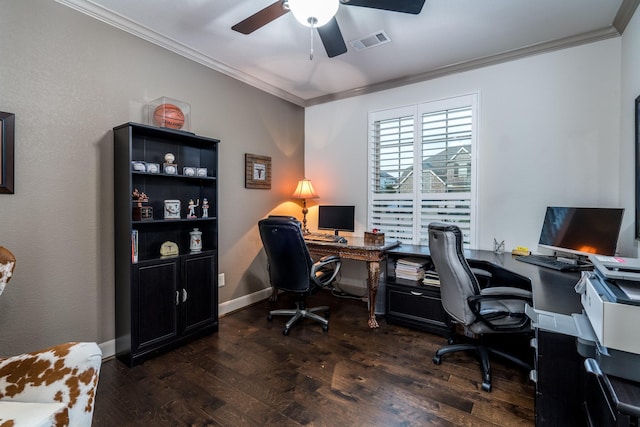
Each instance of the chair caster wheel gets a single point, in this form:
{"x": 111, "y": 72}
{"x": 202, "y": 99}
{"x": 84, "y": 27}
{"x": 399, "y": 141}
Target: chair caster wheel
{"x": 450, "y": 341}
{"x": 285, "y": 332}
{"x": 486, "y": 386}
{"x": 326, "y": 314}
{"x": 437, "y": 360}
{"x": 269, "y": 318}
{"x": 325, "y": 328}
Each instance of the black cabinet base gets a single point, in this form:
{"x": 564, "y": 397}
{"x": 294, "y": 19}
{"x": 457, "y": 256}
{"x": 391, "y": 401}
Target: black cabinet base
{"x": 132, "y": 360}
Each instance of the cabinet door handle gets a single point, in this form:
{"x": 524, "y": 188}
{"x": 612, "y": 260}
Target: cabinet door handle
{"x": 184, "y": 294}
{"x": 418, "y": 294}
{"x": 177, "y": 297}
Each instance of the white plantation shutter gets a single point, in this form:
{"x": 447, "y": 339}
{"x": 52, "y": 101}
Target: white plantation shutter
{"x": 422, "y": 168}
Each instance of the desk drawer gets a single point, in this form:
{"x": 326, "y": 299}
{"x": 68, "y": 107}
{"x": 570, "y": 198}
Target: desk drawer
{"x": 609, "y": 401}
{"x": 417, "y": 307}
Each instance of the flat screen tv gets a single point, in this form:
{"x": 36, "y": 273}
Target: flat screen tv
{"x": 336, "y": 218}
{"x": 581, "y": 231}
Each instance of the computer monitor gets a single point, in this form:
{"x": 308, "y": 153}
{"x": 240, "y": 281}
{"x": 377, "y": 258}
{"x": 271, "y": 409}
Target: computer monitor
{"x": 336, "y": 218}
{"x": 581, "y": 231}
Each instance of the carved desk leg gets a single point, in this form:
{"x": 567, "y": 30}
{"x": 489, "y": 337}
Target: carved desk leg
{"x": 373, "y": 278}
{"x": 274, "y": 294}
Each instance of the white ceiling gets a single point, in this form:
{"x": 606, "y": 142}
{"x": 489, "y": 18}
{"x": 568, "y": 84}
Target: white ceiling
{"x": 447, "y": 36}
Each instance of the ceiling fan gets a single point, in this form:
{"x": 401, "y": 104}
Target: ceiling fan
{"x": 323, "y": 20}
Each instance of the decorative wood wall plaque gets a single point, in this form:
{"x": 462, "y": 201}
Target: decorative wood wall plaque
{"x": 257, "y": 171}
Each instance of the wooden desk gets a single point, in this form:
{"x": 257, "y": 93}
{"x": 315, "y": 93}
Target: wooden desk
{"x": 357, "y": 249}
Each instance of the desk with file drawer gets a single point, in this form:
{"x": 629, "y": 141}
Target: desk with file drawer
{"x": 565, "y": 394}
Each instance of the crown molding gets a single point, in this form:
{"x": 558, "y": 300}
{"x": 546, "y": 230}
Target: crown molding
{"x": 111, "y": 18}
{"x": 499, "y": 58}
{"x": 87, "y": 7}
{"x": 624, "y": 15}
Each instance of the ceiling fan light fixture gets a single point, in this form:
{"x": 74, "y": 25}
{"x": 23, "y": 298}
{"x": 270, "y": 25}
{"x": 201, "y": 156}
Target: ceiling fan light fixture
{"x": 313, "y": 13}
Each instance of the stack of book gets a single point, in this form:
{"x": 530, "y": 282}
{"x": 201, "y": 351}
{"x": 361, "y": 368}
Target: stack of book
{"x": 431, "y": 278}
{"x": 410, "y": 268}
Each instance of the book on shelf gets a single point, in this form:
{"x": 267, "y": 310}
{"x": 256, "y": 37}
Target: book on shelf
{"x": 134, "y": 246}
{"x": 431, "y": 278}
{"x": 410, "y": 268}
{"x": 412, "y": 261}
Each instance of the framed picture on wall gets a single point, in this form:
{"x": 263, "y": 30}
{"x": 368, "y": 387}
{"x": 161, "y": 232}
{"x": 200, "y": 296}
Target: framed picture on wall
{"x": 637, "y": 160}
{"x": 7, "y": 129}
{"x": 257, "y": 171}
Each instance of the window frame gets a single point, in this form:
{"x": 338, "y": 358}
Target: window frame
{"x": 417, "y": 198}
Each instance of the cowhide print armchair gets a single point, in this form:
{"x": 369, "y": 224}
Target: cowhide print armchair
{"x": 7, "y": 264}
{"x": 51, "y": 387}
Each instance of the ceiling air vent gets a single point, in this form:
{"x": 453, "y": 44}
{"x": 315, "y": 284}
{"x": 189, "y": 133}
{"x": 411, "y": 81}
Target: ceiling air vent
{"x": 375, "y": 39}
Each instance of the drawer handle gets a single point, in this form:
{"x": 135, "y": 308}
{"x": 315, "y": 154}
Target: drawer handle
{"x": 418, "y": 294}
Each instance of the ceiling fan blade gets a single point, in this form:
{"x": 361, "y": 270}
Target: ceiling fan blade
{"x": 260, "y": 18}
{"x": 332, "y": 39}
{"x": 405, "y": 6}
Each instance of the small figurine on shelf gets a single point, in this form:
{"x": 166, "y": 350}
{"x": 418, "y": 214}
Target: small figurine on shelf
{"x": 139, "y": 197}
{"x": 205, "y": 208}
{"x": 140, "y": 212}
{"x": 192, "y": 208}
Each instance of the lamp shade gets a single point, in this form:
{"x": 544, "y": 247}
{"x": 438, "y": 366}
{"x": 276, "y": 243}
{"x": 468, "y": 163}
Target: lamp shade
{"x": 305, "y": 190}
{"x": 313, "y": 13}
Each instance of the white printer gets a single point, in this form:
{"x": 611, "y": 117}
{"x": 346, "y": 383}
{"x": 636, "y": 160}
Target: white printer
{"x": 608, "y": 330}
{"x": 621, "y": 268}
{"x": 611, "y": 301}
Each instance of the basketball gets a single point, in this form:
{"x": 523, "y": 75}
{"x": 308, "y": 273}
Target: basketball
{"x": 168, "y": 116}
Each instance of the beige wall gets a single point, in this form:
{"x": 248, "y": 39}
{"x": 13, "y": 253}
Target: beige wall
{"x": 70, "y": 79}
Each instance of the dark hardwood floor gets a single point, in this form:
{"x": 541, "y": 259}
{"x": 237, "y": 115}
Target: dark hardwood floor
{"x": 249, "y": 374}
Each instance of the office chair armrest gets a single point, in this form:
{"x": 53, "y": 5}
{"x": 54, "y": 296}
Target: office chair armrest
{"x": 328, "y": 259}
{"x": 325, "y": 270}
{"x": 483, "y": 276}
{"x": 475, "y": 304}
{"x": 506, "y": 290}
{"x": 478, "y": 272}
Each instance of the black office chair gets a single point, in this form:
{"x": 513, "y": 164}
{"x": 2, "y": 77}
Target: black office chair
{"x": 490, "y": 310}
{"x": 292, "y": 269}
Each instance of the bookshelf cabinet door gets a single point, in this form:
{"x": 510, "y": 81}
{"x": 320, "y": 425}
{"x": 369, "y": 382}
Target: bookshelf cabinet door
{"x": 200, "y": 306}
{"x": 154, "y": 302}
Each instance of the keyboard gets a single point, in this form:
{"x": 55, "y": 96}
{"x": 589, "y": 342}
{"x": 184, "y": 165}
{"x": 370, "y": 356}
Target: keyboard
{"x": 548, "y": 261}
{"x": 319, "y": 237}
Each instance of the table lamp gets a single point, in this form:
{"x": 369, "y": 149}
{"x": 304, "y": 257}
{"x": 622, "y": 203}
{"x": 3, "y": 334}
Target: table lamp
{"x": 304, "y": 191}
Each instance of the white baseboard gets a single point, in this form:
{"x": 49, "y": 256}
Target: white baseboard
{"x": 109, "y": 347}
{"x": 242, "y": 302}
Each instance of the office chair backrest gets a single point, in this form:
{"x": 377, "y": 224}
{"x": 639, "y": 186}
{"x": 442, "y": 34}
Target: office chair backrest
{"x": 287, "y": 254}
{"x": 457, "y": 281}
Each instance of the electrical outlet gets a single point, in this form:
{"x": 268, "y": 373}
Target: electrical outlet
{"x": 220, "y": 280}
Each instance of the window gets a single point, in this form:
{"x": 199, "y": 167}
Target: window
{"x": 422, "y": 168}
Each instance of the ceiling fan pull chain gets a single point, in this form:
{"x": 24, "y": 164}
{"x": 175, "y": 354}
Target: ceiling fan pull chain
{"x": 311, "y": 48}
